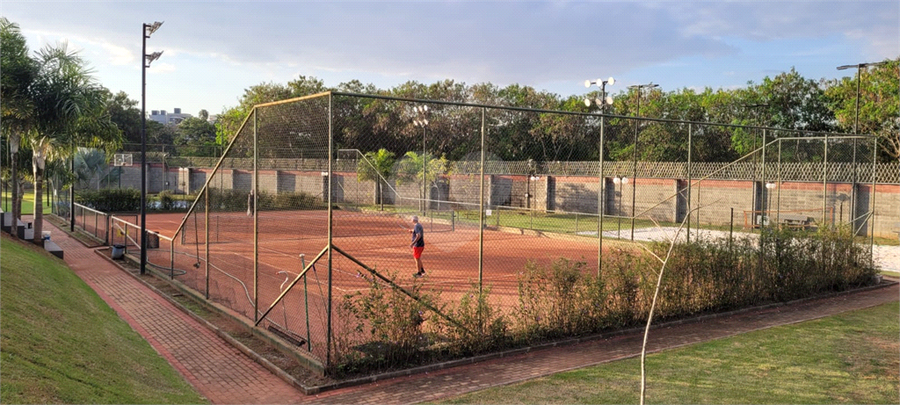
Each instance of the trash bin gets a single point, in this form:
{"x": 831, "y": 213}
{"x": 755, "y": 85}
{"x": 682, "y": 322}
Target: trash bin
{"x": 152, "y": 240}
{"x": 118, "y": 251}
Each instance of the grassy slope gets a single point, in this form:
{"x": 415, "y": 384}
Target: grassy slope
{"x": 62, "y": 344}
{"x": 850, "y": 358}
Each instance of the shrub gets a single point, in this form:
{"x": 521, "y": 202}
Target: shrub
{"x": 110, "y": 200}
{"x": 479, "y": 327}
{"x": 166, "y": 200}
{"x": 559, "y": 300}
{"x": 388, "y": 324}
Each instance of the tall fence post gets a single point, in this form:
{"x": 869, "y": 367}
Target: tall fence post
{"x": 329, "y": 333}
{"x": 690, "y": 180}
{"x": 254, "y": 191}
{"x": 481, "y": 213}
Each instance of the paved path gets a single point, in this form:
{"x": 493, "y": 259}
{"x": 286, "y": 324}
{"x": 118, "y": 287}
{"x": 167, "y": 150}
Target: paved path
{"x": 225, "y": 375}
{"x": 220, "y": 372}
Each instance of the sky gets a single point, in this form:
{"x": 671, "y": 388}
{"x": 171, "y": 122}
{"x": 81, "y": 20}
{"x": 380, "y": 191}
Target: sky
{"x": 214, "y": 50}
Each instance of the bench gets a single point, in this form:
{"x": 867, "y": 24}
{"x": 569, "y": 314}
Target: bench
{"x": 53, "y": 248}
{"x": 24, "y": 230}
{"x": 6, "y": 221}
{"x": 798, "y": 221}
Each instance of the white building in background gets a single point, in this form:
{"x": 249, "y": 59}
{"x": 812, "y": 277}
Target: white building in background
{"x": 167, "y": 118}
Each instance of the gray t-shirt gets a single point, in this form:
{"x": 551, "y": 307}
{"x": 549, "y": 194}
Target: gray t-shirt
{"x": 418, "y": 230}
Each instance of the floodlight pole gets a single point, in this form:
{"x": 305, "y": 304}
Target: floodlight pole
{"x": 422, "y": 121}
{"x": 859, "y": 71}
{"x": 602, "y": 102}
{"x": 638, "y": 88}
{"x": 146, "y": 31}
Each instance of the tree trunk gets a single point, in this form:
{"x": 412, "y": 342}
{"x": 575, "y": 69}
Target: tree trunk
{"x": 14, "y": 183}
{"x": 38, "y": 219}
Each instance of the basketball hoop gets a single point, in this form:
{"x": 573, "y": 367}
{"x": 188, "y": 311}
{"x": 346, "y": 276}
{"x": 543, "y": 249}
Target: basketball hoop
{"x": 122, "y": 159}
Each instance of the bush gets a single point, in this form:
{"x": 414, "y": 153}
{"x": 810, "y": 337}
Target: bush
{"x": 110, "y": 200}
{"x": 166, "y": 200}
{"x": 478, "y": 327}
{"x": 386, "y": 330}
{"x": 231, "y": 200}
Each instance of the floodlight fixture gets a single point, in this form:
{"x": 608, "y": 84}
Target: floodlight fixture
{"x": 643, "y": 86}
{"x": 151, "y": 28}
{"x": 604, "y": 99}
{"x": 152, "y": 57}
{"x": 860, "y": 65}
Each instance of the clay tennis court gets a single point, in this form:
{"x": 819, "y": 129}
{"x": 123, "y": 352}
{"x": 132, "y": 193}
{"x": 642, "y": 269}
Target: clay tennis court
{"x": 379, "y": 240}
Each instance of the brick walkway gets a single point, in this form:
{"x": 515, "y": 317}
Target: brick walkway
{"x": 225, "y": 375}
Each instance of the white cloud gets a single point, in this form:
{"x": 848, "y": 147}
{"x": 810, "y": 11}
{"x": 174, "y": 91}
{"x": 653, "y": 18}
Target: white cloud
{"x": 162, "y": 67}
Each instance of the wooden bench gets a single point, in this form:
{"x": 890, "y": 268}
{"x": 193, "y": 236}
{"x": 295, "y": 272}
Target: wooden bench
{"x": 53, "y": 248}
{"x": 798, "y": 221}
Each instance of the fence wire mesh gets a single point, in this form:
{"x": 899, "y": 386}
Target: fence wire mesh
{"x": 303, "y": 225}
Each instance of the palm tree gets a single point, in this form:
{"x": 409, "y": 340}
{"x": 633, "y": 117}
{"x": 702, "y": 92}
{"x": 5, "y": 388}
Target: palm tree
{"x": 17, "y": 72}
{"x": 69, "y": 110}
{"x": 376, "y": 166}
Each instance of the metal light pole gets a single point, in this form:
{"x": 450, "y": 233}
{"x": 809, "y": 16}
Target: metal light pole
{"x": 638, "y": 88}
{"x": 860, "y": 68}
{"x": 601, "y": 103}
{"x": 422, "y": 121}
{"x": 146, "y": 31}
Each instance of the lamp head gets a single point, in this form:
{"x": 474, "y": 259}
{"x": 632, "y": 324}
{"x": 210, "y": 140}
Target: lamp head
{"x": 152, "y": 57}
{"x": 587, "y": 102}
{"x": 151, "y": 28}
{"x": 587, "y": 83}
{"x": 610, "y": 81}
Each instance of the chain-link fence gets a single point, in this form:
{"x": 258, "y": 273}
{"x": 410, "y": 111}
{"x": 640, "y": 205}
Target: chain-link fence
{"x": 304, "y": 224}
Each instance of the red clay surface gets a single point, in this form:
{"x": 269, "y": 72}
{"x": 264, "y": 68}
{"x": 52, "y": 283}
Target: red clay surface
{"x": 380, "y": 242}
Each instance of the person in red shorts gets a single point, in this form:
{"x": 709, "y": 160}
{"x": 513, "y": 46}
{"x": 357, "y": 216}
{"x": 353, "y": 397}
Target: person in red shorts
{"x": 417, "y": 245}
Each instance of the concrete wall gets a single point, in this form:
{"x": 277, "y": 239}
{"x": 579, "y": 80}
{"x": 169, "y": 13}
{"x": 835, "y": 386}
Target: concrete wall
{"x": 661, "y": 199}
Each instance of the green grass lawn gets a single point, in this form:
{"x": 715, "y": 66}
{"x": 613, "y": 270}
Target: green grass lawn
{"x": 27, "y": 203}
{"x": 850, "y": 358}
{"x": 61, "y": 343}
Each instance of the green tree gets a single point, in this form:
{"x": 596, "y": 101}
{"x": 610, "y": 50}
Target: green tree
{"x": 796, "y": 103}
{"x": 124, "y": 113}
{"x": 195, "y": 137}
